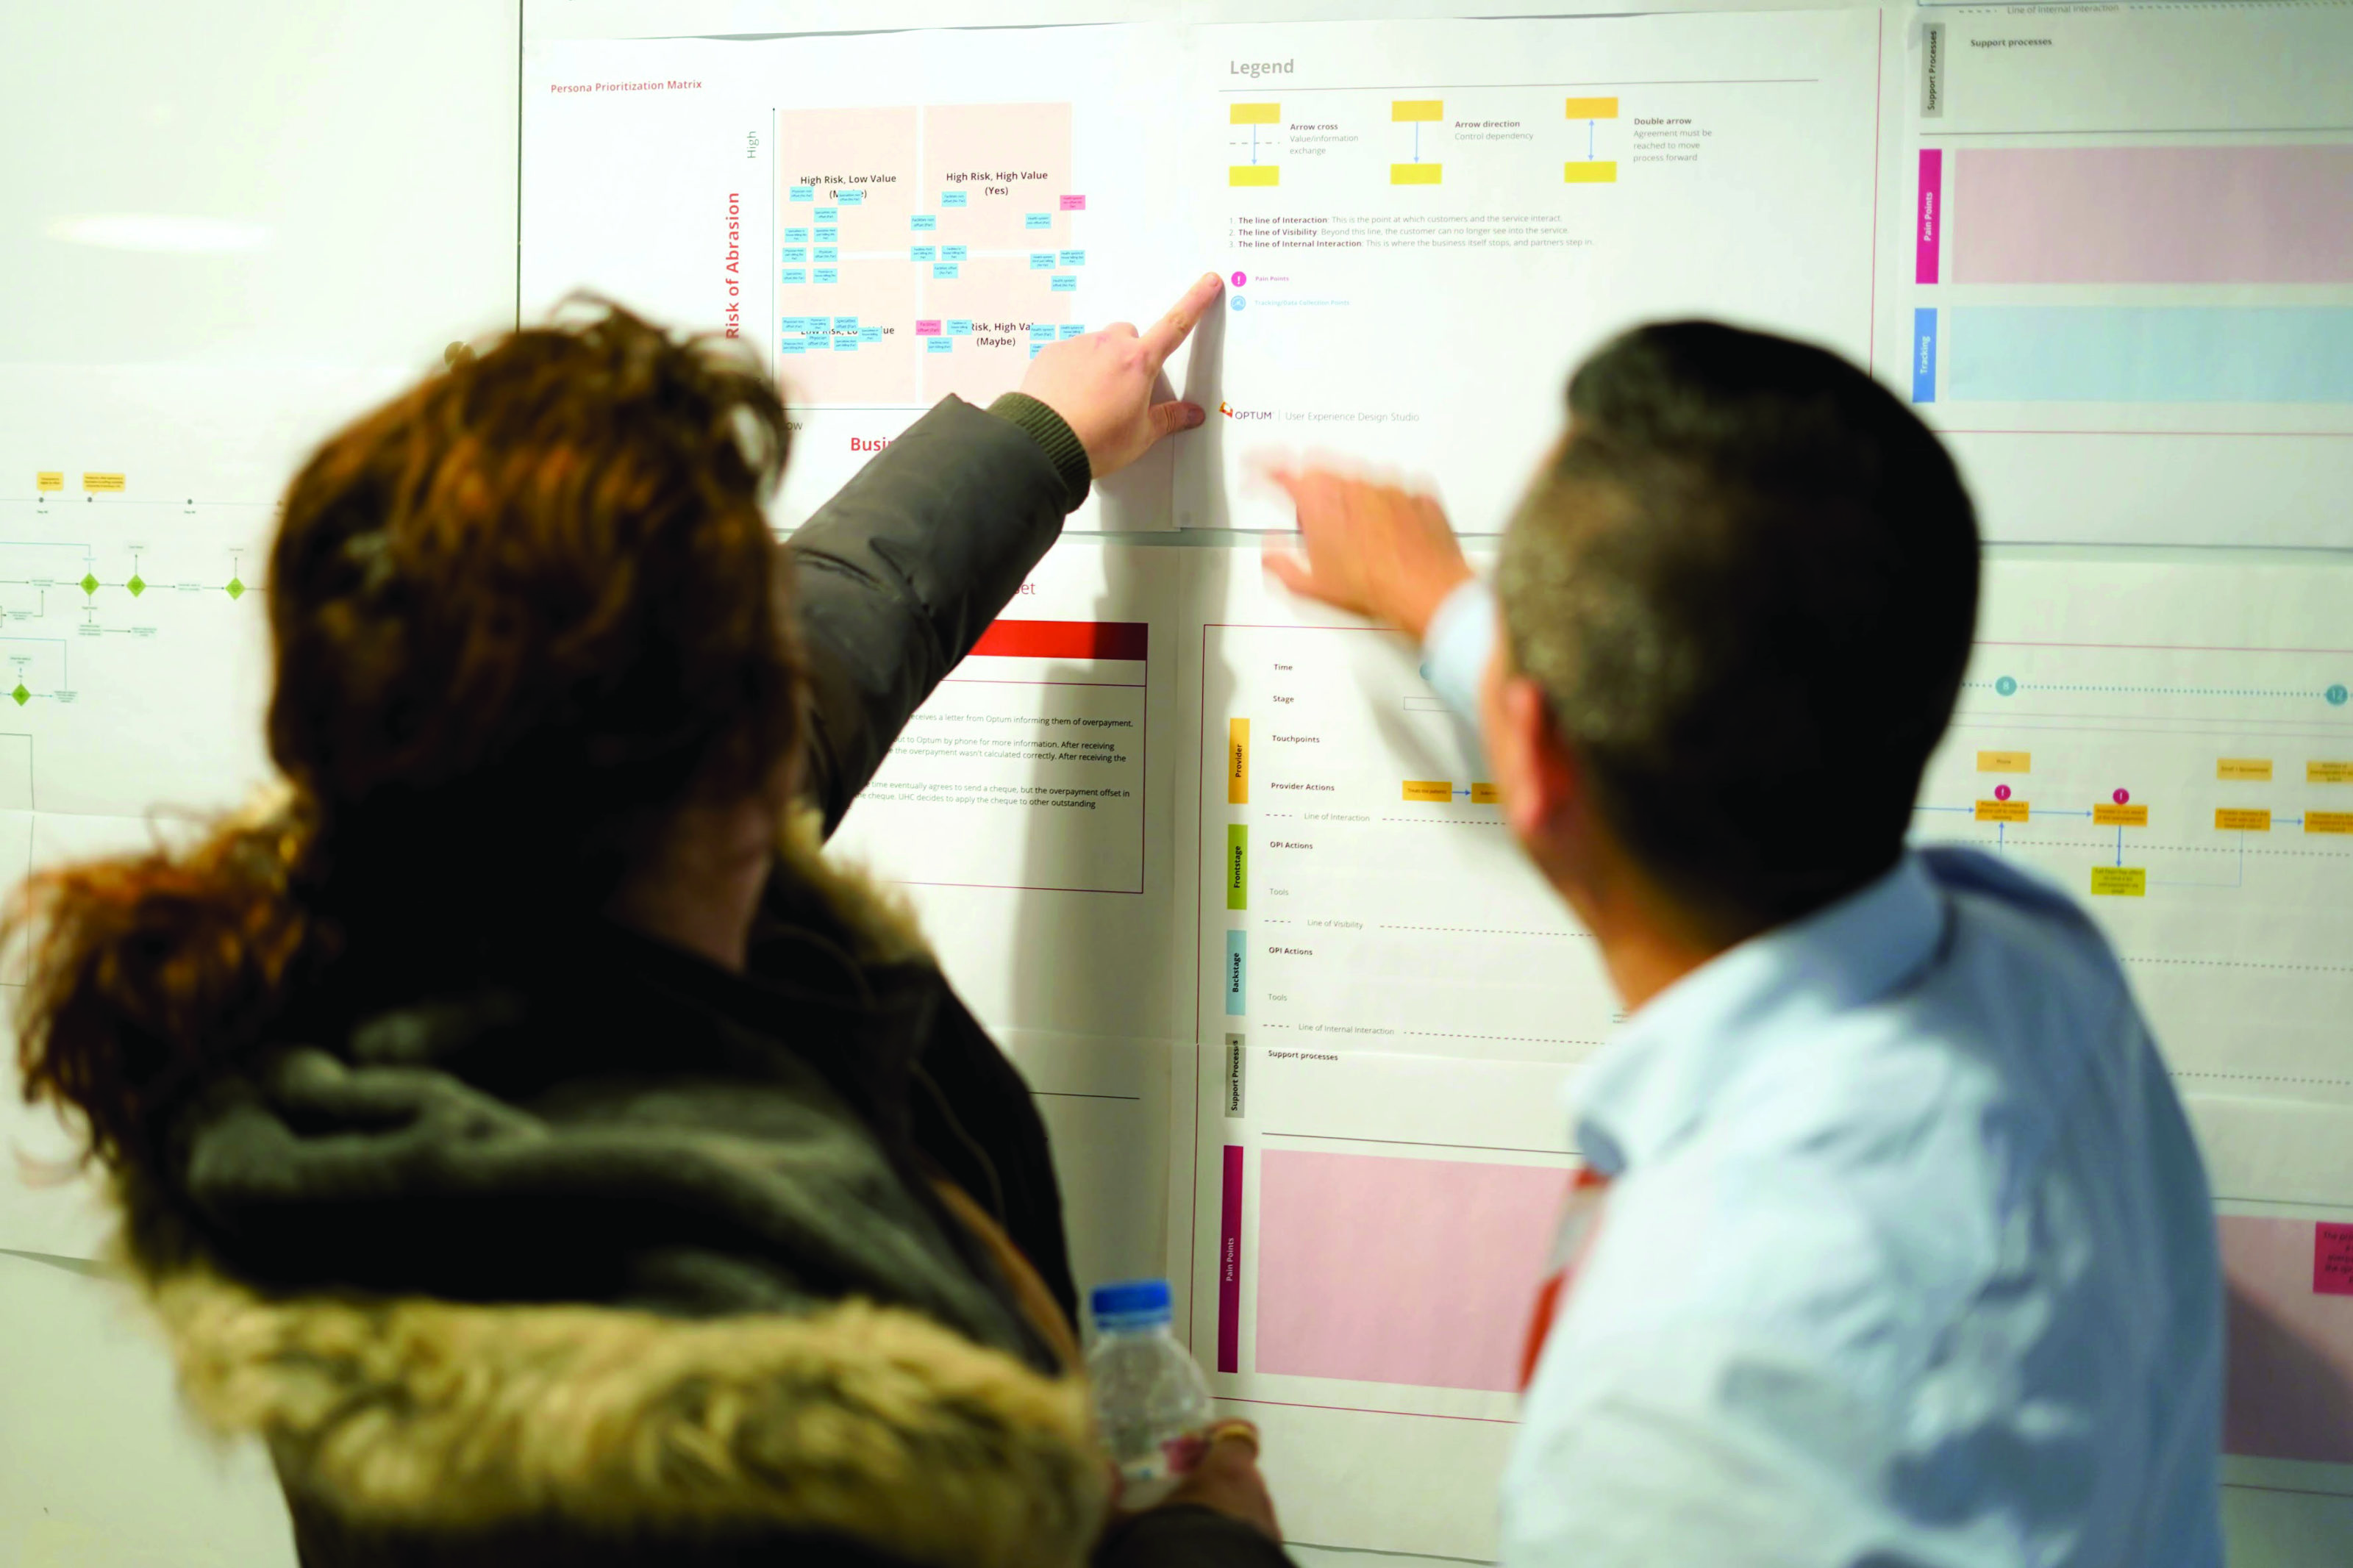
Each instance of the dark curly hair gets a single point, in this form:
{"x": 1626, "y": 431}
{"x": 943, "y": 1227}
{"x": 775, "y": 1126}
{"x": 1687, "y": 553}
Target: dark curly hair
{"x": 519, "y": 614}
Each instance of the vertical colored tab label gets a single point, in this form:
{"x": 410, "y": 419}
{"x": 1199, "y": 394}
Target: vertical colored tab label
{"x": 1237, "y": 761}
{"x": 1237, "y": 972}
{"x": 1230, "y": 1263}
{"x": 2332, "y": 1259}
{"x": 1237, "y": 866}
{"x": 1237, "y": 1076}
{"x": 1924, "y": 356}
{"x": 1931, "y": 215}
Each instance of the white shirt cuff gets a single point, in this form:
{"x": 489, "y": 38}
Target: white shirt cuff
{"x": 1456, "y": 647}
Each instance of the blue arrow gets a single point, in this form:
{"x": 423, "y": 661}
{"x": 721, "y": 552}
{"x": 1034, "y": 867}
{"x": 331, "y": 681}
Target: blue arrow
{"x": 2066, "y": 814}
{"x": 2292, "y": 821}
{"x": 1944, "y": 808}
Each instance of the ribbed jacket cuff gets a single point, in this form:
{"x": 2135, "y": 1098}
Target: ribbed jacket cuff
{"x": 1062, "y": 445}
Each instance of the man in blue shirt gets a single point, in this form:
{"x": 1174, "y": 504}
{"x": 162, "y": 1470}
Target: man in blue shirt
{"x": 1895, "y": 1247}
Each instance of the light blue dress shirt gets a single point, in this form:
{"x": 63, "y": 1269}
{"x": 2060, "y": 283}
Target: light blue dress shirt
{"x": 1907, "y": 1258}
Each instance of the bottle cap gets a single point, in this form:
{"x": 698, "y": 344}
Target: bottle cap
{"x": 1130, "y": 1304}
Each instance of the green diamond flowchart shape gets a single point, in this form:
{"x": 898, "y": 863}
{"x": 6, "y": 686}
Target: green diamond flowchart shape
{"x": 137, "y": 585}
{"x": 89, "y": 584}
{"x": 21, "y": 695}
{"x": 236, "y": 589}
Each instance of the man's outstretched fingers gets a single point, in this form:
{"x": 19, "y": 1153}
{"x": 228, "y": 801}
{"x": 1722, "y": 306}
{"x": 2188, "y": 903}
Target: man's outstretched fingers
{"x": 1173, "y": 328}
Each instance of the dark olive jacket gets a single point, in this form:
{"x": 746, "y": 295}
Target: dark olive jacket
{"x": 612, "y": 1257}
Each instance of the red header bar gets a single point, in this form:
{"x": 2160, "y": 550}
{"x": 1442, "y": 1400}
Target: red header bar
{"x": 1063, "y": 640}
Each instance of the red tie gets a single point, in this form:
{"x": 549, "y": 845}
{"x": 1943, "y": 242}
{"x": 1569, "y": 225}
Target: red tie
{"x": 1580, "y": 1218}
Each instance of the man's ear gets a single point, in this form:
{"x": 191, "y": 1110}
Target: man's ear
{"x": 1543, "y": 790}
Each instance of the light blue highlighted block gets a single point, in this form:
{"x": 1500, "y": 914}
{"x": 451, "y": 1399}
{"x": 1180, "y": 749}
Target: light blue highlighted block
{"x": 828, "y": 253}
{"x": 923, "y": 253}
{"x": 1237, "y": 972}
{"x": 843, "y": 345}
{"x": 1042, "y": 261}
{"x": 1034, "y": 348}
{"x": 951, "y": 199}
{"x": 796, "y": 253}
{"x": 825, "y": 215}
{"x": 870, "y": 335}
{"x": 944, "y": 269}
{"x": 802, "y": 194}
{"x": 1041, "y": 331}
{"x": 1074, "y": 258}
{"x": 2059, "y": 354}
{"x": 827, "y": 235}
{"x": 828, "y": 275}
{"x": 1037, "y": 220}
{"x": 1072, "y": 330}
{"x": 923, "y": 222}
{"x": 951, "y": 253}
{"x": 796, "y": 237}
{"x": 796, "y": 274}
{"x": 956, "y": 329}
{"x": 845, "y": 324}
{"x": 1065, "y": 284}
{"x": 1924, "y": 356}
{"x": 817, "y": 343}
{"x": 851, "y": 199}
{"x": 789, "y": 324}
{"x": 937, "y": 346}
{"x": 792, "y": 346}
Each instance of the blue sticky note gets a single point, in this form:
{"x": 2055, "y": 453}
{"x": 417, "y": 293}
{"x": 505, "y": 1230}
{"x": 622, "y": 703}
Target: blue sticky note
{"x": 845, "y": 324}
{"x": 817, "y": 343}
{"x": 803, "y": 193}
{"x": 870, "y": 335}
{"x": 951, "y": 253}
{"x": 1072, "y": 330}
{"x": 952, "y": 199}
{"x": 937, "y": 346}
{"x": 1041, "y": 331}
{"x": 796, "y": 237}
{"x": 828, "y": 275}
{"x": 923, "y": 253}
{"x": 825, "y": 215}
{"x": 828, "y": 253}
{"x": 1042, "y": 261}
{"x": 923, "y": 222}
{"x": 944, "y": 269}
{"x": 792, "y": 346}
{"x": 827, "y": 236}
{"x": 851, "y": 198}
{"x": 1034, "y": 348}
{"x": 1065, "y": 284}
{"x": 847, "y": 344}
{"x": 795, "y": 274}
{"x": 1037, "y": 220}
{"x": 957, "y": 329}
{"x": 796, "y": 253}
{"x": 1073, "y": 258}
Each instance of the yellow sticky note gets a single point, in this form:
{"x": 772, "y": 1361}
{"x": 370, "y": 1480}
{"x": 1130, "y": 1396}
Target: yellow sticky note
{"x": 102, "y": 481}
{"x": 1256, "y": 114}
{"x": 1413, "y": 174}
{"x": 2328, "y": 821}
{"x": 1438, "y": 790}
{"x": 1237, "y": 761}
{"x": 1603, "y": 172}
{"x": 1485, "y": 795}
{"x": 1593, "y": 109}
{"x": 2242, "y": 820}
{"x": 2005, "y": 762}
{"x": 1424, "y": 109}
{"x": 2328, "y": 773}
{"x": 2119, "y": 882}
{"x": 1252, "y": 174}
{"x": 2120, "y": 816}
{"x": 2002, "y": 811}
{"x": 2254, "y": 770}
{"x": 49, "y": 479}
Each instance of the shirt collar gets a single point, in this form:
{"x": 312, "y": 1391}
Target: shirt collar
{"x": 1662, "y": 1073}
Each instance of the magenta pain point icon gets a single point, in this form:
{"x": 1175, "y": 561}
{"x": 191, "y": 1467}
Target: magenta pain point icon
{"x": 1240, "y": 278}
{"x": 2121, "y": 796}
{"x": 2002, "y": 792}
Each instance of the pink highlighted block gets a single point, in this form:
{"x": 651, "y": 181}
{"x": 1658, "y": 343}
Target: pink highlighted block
{"x": 2154, "y": 214}
{"x": 1930, "y": 218}
{"x": 927, "y": 329}
{"x": 1074, "y": 204}
{"x": 1407, "y": 1271}
{"x": 2290, "y": 1385}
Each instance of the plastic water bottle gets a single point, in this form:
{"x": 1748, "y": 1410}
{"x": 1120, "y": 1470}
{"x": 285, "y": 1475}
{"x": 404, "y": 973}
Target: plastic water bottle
{"x": 1150, "y": 1397}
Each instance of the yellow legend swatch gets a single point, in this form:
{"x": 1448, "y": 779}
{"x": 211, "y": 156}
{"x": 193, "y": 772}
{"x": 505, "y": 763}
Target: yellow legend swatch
{"x": 102, "y": 481}
{"x": 2005, "y": 762}
{"x": 2120, "y": 816}
{"x": 1604, "y": 173}
{"x": 49, "y": 479}
{"x": 1413, "y": 174}
{"x": 2254, "y": 770}
{"x": 1438, "y": 790}
{"x": 1237, "y": 761}
{"x": 1252, "y": 174}
{"x": 1424, "y": 108}
{"x": 2002, "y": 811}
{"x": 1593, "y": 109}
{"x": 2243, "y": 819}
{"x": 1485, "y": 795}
{"x": 2119, "y": 882}
{"x": 2328, "y": 821}
{"x": 2328, "y": 773}
{"x": 1256, "y": 114}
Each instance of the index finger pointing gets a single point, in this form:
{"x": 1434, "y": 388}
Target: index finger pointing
{"x": 1173, "y": 328}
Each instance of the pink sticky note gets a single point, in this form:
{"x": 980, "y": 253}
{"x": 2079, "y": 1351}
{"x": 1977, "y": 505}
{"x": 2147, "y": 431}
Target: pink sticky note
{"x": 2332, "y": 1259}
{"x": 927, "y": 329}
{"x": 1074, "y": 204}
